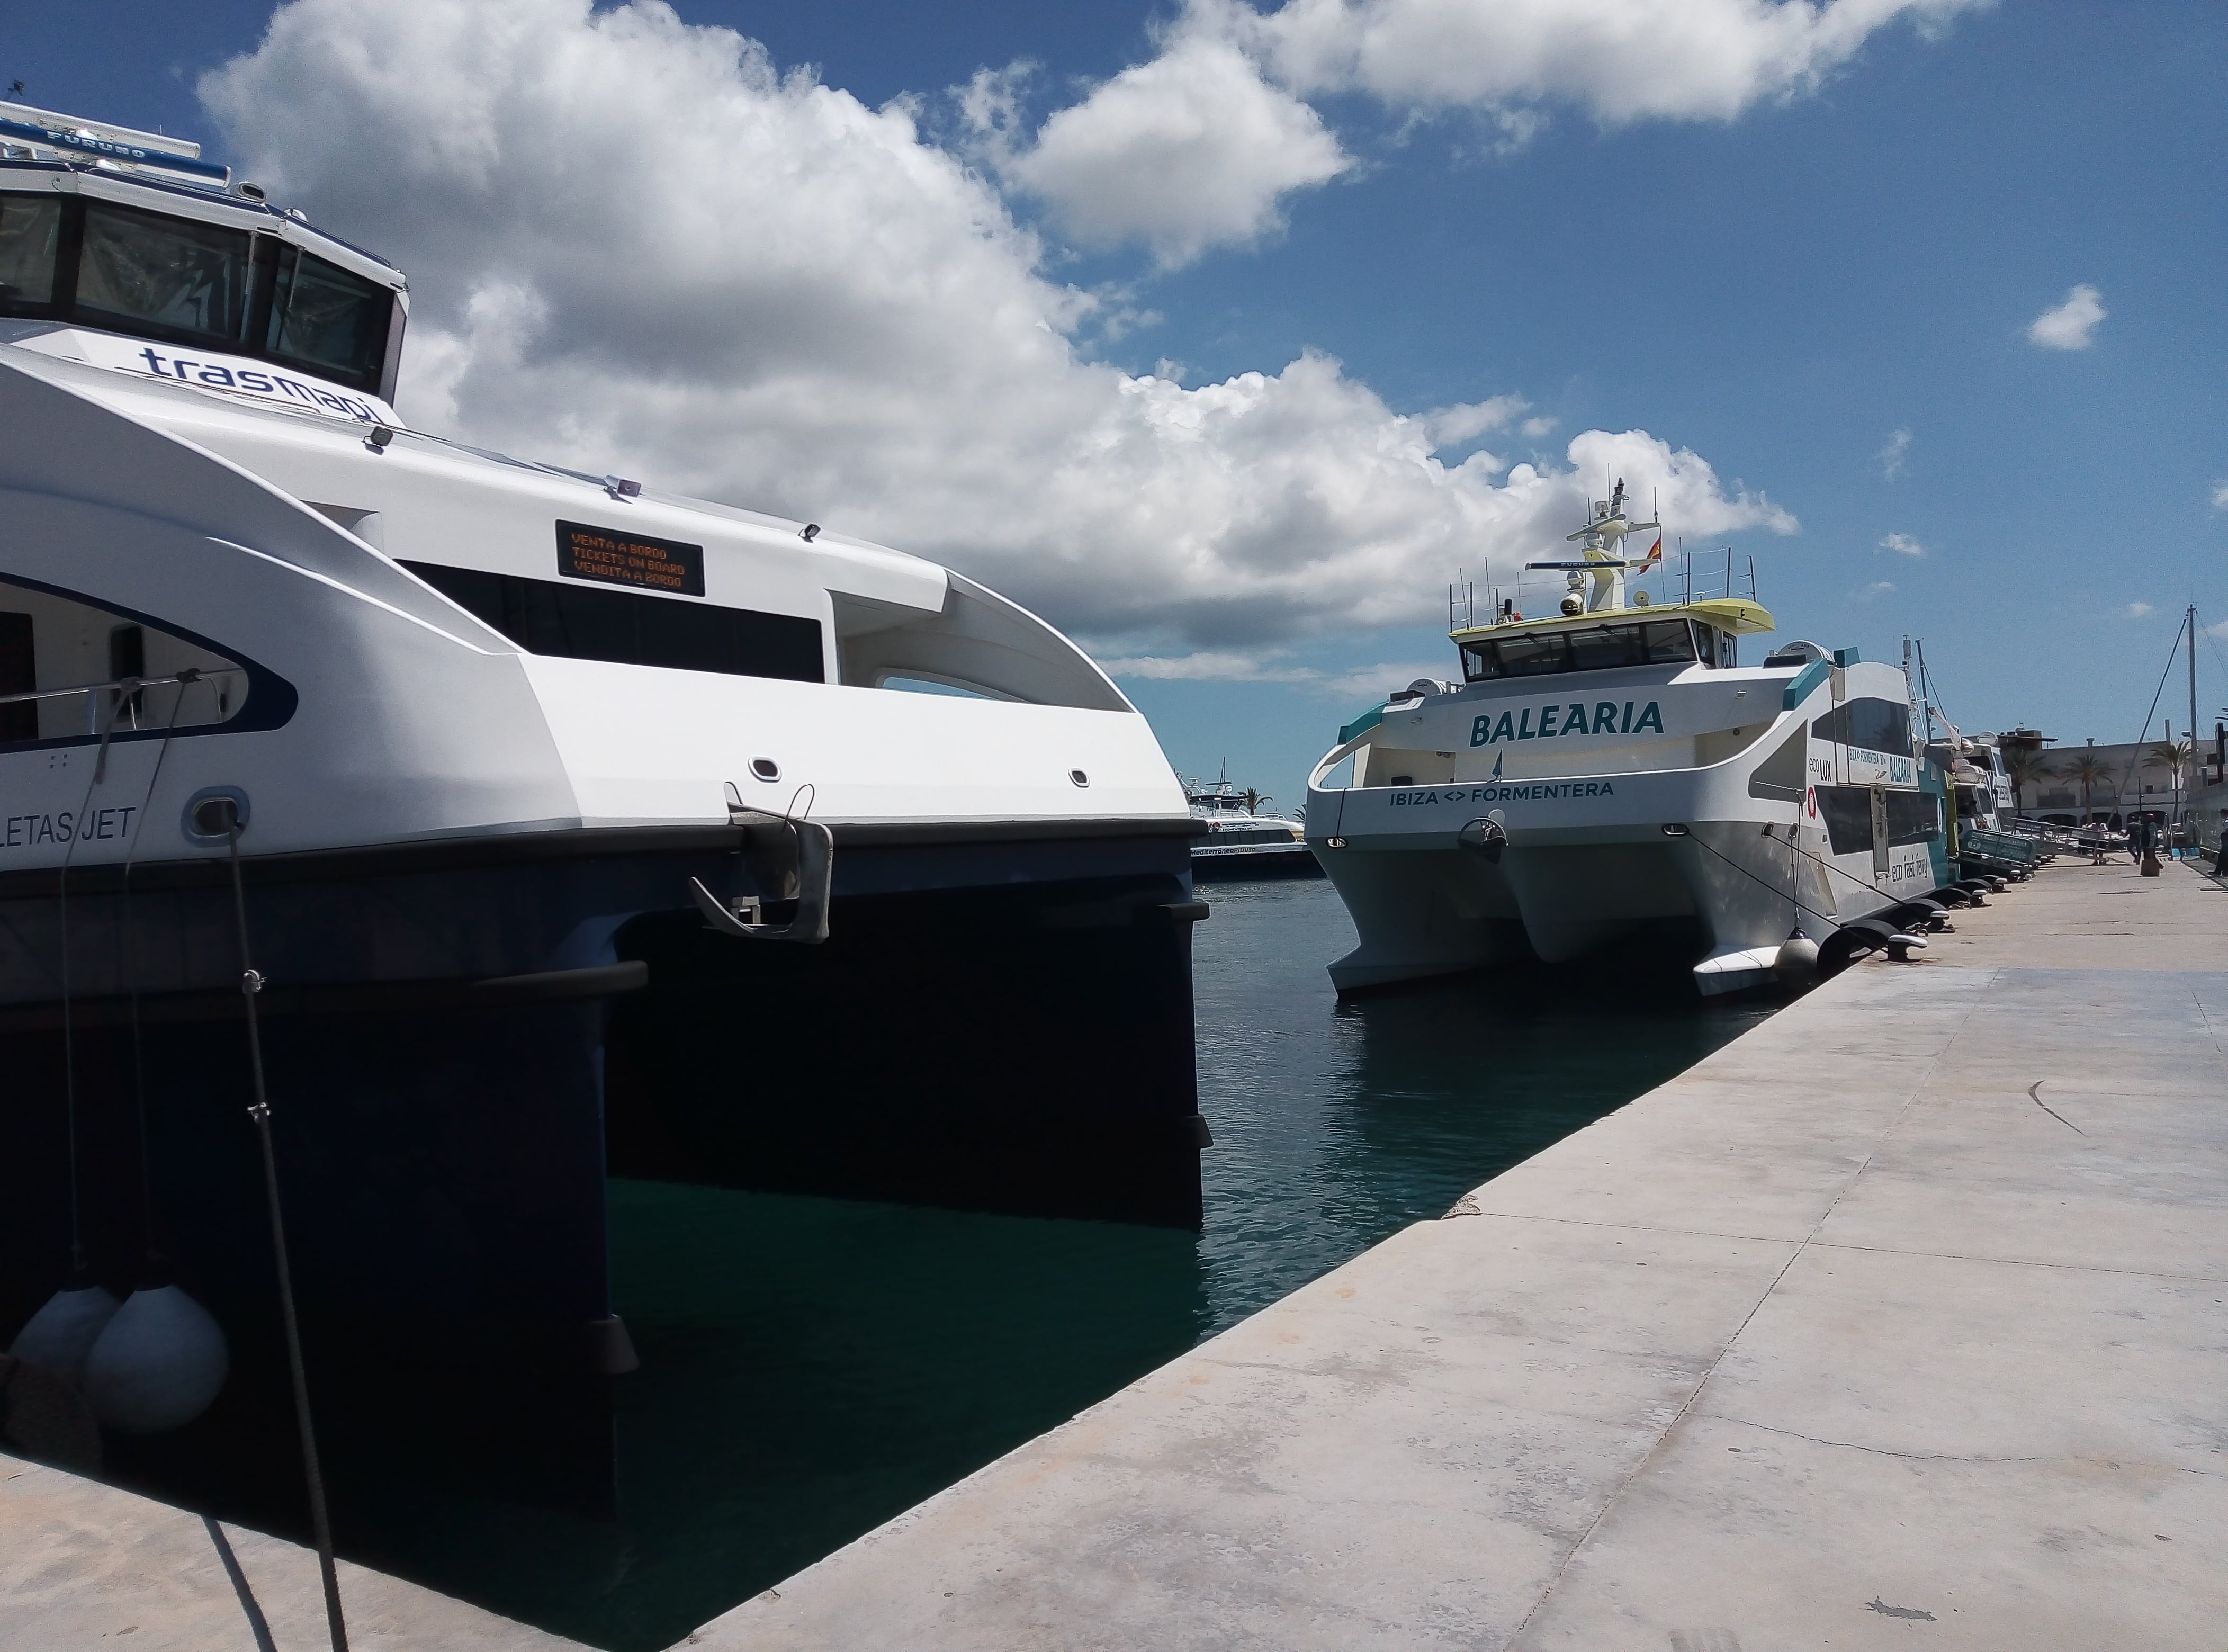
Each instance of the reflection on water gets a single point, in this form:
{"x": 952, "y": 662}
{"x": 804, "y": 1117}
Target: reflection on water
{"x": 811, "y": 1367}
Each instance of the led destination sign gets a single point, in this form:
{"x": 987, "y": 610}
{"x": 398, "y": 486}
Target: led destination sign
{"x": 613, "y": 558}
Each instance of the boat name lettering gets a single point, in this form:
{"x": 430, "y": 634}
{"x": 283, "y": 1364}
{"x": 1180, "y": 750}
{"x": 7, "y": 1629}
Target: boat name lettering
{"x": 19, "y": 831}
{"x": 275, "y": 385}
{"x": 605, "y": 555}
{"x": 1557, "y": 722}
{"x": 1539, "y": 792}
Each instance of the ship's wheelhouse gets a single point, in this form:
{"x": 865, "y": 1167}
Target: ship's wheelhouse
{"x": 195, "y": 270}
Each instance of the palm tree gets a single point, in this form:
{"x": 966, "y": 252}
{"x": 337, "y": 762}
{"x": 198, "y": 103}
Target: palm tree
{"x": 2023, "y": 767}
{"x": 1254, "y": 800}
{"x": 2086, "y": 770}
{"x": 2172, "y": 755}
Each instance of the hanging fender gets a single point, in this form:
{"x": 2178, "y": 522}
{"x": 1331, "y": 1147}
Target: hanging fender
{"x": 793, "y": 857}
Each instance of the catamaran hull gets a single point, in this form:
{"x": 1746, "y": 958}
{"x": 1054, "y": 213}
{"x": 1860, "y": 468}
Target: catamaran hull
{"x": 1704, "y": 867}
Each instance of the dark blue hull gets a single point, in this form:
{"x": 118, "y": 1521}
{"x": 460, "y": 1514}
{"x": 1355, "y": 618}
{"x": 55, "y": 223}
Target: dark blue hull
{"x": 463, "y": 1040}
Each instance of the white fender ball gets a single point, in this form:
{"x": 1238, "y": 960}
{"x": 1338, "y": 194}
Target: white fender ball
{"x": 59, "y": 1336}
{"x": 158, "y": 1365}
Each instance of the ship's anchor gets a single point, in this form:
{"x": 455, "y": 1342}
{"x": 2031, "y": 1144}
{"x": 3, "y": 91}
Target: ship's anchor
{"x": 791, "y": 857}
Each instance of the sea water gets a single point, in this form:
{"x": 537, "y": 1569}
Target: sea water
{"x": 811, "y": 1367}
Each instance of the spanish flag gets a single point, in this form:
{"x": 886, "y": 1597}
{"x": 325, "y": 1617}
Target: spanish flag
{"x": 1655, "y": 553}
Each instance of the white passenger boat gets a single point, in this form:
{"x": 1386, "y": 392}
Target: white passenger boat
{"x": 1612, "y": 781}
{"x": 1241, "y": 842}
{"x": 582, "y": 827}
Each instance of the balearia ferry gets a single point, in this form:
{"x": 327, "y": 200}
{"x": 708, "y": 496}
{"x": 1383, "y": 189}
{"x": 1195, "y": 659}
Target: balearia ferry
{"x": 582, "y": 829}
{"x": 1613, "y": 778}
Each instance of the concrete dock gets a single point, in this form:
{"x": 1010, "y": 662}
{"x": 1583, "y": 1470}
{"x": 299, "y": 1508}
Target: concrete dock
{"x": 1901, "y": 1322}
{"x": 84, "y": 1565}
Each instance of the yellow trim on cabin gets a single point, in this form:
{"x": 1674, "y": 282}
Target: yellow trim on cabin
{"x": 1733, "y": 615}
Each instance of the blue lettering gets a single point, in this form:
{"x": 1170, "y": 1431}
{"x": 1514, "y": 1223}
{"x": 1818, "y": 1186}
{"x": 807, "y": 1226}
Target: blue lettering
{"x": 1627, "y": 727}
{"x": 1607, "y": 790}
{"x": 154, "y": 361}
{"x": 1546, "y": 721}
{"x": 256, "y": 381}
{"x": 215, "y": 374}
{"x": 1524, "y": 729}
{"x": 290, "y": 388}
{"x": 1481, "y": 729}
{"x": 1605, "y": 717}
{"x": 1504, "y": 730}
{"x": 1574, "y": 720}
{"x": 1651, "y": 718}
{"x": 178, "y": 366}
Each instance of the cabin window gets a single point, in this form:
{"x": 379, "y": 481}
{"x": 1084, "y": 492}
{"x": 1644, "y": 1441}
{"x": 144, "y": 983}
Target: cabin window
{"x": 188, "y": 282}
{"x": 1882, "y": 725}
{"x": 177, "y": 272}
{"x": 1593, "y": 648}
{"x": 59, "y": 657}
{"x": 1912, "y": 817}
{"x": 332, "y": 322}
{"x": 576, "y": 622}
{"x": 30, "y": 227}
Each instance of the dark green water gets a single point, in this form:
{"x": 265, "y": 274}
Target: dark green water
{"x": 811, "y": 1367}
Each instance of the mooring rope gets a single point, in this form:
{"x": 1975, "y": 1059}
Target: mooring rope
{"x": 251, "y": 983}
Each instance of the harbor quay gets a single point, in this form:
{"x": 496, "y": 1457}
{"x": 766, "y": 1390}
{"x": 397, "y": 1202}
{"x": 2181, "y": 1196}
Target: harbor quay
{"x": 1897, "y": 1322}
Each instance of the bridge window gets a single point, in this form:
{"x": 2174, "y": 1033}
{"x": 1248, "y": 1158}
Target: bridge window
{"x": 1882, "y": 725}
{"x": 1591, "y": 648}
{"x": 184, "y": 281}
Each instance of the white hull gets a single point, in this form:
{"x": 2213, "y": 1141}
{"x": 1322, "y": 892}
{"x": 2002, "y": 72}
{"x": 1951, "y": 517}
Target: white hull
{"x": 1712, "y": 866}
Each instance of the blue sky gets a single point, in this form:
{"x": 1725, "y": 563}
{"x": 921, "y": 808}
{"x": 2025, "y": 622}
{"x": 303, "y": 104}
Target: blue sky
{"x": 1780, "y": 293}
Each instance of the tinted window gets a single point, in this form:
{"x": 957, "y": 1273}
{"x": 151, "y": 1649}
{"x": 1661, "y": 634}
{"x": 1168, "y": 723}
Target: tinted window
{"x": 1534, "y": 656}
{"x": 576, "y": 622}
{"x": 326, "y": 319}
{"x": 1912, "y": 817}
{"x": 1606, "y": 646}
{"x": 174, "y": 271}
{"x": 1876, "y": 724}
{"x": 29, "y": 225}
{"x": 184, "y": 281}
{"x": 1595, "y": 648}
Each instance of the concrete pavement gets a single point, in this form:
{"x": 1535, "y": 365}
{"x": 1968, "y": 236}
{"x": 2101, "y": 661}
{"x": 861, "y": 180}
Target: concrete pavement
{"x": 1900, "y": 1321}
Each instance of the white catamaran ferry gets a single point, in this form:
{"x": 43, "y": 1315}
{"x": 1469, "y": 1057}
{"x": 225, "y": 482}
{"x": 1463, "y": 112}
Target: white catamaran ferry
{"x": 581, "y": 829}
{"x": 1612, "y": 778}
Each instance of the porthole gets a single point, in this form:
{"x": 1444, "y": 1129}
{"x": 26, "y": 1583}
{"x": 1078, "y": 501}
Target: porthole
{"x": 765, "y": 768}
{"x": 1079, "y": 777}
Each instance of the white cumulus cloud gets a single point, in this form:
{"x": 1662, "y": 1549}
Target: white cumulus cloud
{"x": 2220, "y": 496}
{"x": 1892, "y": 457}
{"x": 808, "y": 308}
{"x": 1903, "y": 545}
{"x": 2070, "y": 325}
{"x": 1190, "y": 150}
{"x": 1198, "y": 147}
{"x": 1619, "y": 61}
{"x": 2137, "y": 610}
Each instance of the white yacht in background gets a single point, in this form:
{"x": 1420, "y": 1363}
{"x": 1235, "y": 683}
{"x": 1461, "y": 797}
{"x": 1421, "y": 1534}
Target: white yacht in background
{"x": 582, "y": 827}
{"x": 1610, "y": 780}
{"x": 1241, "y": 842}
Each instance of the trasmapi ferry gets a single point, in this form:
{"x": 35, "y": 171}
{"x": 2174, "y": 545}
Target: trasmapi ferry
{"x": 1613, "y": 778}
{"x": 580, "y": 829}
